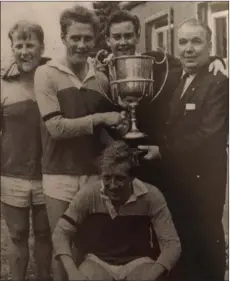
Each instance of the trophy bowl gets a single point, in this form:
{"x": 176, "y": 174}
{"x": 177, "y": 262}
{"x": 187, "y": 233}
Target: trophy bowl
{"x": 131, "y": 79}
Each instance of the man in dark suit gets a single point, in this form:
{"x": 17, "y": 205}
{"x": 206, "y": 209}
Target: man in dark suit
{"x": 193, "y": 156}
{"x": 122, "y": 35}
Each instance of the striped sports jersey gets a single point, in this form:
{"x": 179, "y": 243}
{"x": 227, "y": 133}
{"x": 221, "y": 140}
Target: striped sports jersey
{"x": 20, "y": 127}
{"x": 59, "y": 92}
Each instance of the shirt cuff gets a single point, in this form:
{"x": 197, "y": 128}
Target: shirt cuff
{"x": 58, "y": 255}
{"x": 169, "y": 259}
{"x": 166, "y": 269}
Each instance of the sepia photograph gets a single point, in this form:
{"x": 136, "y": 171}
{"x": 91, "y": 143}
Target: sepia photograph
{"x": 114, "y": 128}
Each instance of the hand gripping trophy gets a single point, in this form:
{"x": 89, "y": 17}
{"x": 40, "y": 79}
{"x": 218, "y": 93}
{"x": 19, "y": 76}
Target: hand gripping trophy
{"x": 131, "y": 79}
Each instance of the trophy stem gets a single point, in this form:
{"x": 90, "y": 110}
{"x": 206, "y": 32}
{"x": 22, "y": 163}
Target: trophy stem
{"x": 134, "y": 133}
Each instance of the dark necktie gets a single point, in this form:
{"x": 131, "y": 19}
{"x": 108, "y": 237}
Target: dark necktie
{"x": 178, "y": 92}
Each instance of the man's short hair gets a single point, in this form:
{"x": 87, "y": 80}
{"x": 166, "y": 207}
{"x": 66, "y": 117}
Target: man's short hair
{"x": 25, "y": 28}
{"x": 116, "y": 154}
{"x": 78, "y": 14}
{"x": 122, "y": 16}
{"x": 197, "y": 22}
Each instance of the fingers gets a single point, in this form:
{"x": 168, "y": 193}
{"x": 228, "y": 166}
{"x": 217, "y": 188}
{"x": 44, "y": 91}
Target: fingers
{"x": 123, "y": 115}
{"x": 210, "y": 68}
{"x": 123, "y": 104}
{"x": 148, "y": 156}
{"x": 105, "y": 53}
{"x": 143, "y": 147}
{"x": 101, "y": 68}
{"x": 225, "y": 72}
{"x": 215, "y": 71}
{"x": 153, "y": 151}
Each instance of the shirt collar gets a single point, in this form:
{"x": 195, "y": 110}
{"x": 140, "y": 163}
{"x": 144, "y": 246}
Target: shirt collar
{"x": 12, "y": 71}
{"x": 192, "y": 75}
{"x": 61, "y": 65}
{"x": 139, "y": 189}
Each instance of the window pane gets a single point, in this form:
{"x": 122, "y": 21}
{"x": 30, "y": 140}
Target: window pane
{"x": 221, "y": 37}
{"x": 156, "y": 32}
{"x": 160, "y": 39}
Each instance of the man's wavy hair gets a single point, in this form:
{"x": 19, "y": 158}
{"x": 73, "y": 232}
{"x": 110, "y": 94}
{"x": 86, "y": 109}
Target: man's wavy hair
{"x": 122, "y": 16}
{"x": 78, "y": 14}
{"x": 116, "y": 154}
{"x": 25, "y": 28}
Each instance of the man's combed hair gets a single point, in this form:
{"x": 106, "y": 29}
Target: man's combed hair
{"x": 115, "y": 154}
{"x": 197, "y": 22}
{"x": 25, "y": 28}
{"x": 78, "y": 14}
{"x": 122, "y": 16}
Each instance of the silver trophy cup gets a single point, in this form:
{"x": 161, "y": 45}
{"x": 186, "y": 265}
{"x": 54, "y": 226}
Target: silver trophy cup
{"x": 131, "y": 80}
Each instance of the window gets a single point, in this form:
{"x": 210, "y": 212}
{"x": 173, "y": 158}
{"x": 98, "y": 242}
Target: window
{"x": 159, "y": 32}
{"x": 215, "y": 14}
{"x": 219, "y": 23}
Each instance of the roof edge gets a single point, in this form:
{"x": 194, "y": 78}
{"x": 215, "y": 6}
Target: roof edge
{"x": 128, "y": 5}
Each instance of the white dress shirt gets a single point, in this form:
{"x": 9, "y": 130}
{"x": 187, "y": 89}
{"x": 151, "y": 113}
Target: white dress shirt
{"x": 187, "y": 82}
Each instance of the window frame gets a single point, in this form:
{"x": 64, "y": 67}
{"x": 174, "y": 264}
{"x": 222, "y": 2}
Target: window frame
{"x": 212, "y": 18}
{"x": 165, "y": 29}
{"x": 150, "y": 31}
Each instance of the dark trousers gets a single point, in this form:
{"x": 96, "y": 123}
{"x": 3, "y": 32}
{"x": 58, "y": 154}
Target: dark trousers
{"x": 203, "y": 257}
{"x": 201, "y": 233}
{"x": 203, "y": 243}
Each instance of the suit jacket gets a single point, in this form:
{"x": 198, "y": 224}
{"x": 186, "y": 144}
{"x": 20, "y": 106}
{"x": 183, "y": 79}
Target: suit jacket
{"x": 151, "y": 116}
{"x": 194, "y": 145}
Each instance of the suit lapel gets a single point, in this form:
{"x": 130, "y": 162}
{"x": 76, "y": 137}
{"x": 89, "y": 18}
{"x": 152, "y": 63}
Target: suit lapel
{"x": 190, "y": 92}
{"x": 173, "y": 100}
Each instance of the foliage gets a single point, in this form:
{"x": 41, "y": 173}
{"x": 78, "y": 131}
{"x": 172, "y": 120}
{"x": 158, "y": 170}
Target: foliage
{"x": 103, "y": 10}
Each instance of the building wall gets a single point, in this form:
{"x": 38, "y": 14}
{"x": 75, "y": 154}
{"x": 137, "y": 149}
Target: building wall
{"x": 182, "y": 11}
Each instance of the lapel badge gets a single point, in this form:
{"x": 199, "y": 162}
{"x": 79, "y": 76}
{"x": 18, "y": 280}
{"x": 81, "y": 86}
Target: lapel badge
{"x": 190, "y": 106}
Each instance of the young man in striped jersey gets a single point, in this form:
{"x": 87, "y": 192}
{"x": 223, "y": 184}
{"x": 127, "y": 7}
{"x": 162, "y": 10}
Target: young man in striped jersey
{"x": 74, "y": 110}
{"x": 111, "y": 217}
{"x": 21, "y": 152}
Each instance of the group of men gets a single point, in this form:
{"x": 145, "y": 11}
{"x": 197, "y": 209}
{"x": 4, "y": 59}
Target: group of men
{"x": 108, "y": 219}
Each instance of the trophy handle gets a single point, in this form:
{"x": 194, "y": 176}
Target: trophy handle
{"x": 103, "y": 64}
{"x": 97, "y": 58}
{"x": 165, "y": 59}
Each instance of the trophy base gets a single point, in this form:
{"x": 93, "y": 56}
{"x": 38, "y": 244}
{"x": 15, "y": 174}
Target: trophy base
{"x": 134, "y": 135}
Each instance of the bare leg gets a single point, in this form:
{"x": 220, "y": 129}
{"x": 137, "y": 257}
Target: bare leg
{"x": 17, "y": 220}
{"x": 43, "y": 245}
{"x": 55, "y": 209}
